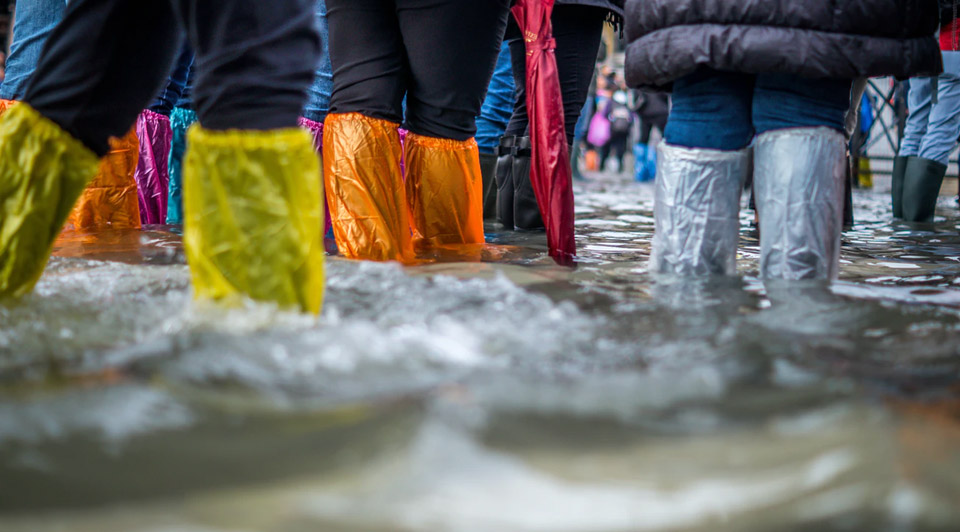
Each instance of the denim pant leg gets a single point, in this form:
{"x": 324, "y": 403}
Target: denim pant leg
{"x": 711, "y": 110}
{"x": 919, "y": 102}
{"x": 35, "y": 20}
{"x": 318, "y": 100}
{"x": 498, "y": 105}
{"x": 943, "y": 125}
{"x": 783, "y": 101}
{"x": 176, "y": 85}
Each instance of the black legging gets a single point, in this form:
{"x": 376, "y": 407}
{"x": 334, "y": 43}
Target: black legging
{"x": 577, "y": 31}
{"x": 440, "y": 54}
{"x": 108, "y": 59}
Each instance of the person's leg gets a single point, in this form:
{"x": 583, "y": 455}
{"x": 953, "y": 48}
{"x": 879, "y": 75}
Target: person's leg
{"x": 924, "y": 173}
{"x": 84, "y": 91}
{"x": 34, "y": 22}
{"x": 700, "y": 173}
{"x": 318, "y": 101}
{"x": 448, "y": 83}
{"x": 919, "y": 103}
{"x": 253, "y": 214}
{"x": 95, "y": 88}
{"x": 799, "y": 174}
{"x": 361, "y": 142}
{"x": 173, "y": 90}
{"x": 491, "y": 126}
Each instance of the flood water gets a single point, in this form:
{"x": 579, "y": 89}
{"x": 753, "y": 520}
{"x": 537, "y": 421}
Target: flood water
{"x": 503, "y": 395}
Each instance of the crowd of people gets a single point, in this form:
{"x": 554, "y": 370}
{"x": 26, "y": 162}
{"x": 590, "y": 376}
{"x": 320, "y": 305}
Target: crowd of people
{"x": 213, "y": 115}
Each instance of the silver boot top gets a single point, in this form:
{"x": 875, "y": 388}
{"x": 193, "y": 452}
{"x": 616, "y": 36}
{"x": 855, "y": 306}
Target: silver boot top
{"x": 798, "y": 179}
{"x": 697, "y": 210}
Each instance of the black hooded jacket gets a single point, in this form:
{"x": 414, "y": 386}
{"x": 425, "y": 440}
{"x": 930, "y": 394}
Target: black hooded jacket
{"x": 851, "y": 39}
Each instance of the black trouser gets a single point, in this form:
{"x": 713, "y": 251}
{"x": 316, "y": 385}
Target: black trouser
{"x": 577, "y": 31}
{"x": 108, "y": 59}
{"x": 440, "y": 54}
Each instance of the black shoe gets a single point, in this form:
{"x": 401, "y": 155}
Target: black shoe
{"x": 504, "y": 179}
{"x": 526, "y": 211}
{"x": 488, "y": 167}
{"x": 922, "y": 180}
{"x": 896, "y": 192}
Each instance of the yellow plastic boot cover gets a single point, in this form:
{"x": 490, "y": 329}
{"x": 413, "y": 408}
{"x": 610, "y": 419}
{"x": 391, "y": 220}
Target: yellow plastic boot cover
{"x": 361, "y": 158}
{"x": 43, "y": 171}
{"x": 253, "y": 217}
{"x": 111, "y": 198}
{"x": 444, "y": 191}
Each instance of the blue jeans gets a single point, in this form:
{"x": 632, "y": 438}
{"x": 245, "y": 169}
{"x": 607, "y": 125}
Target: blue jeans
{"x": 724, "y": 111}
{"x": 35, "y": 19}
{"x": 498, "y": 105}
{"x": 932, "y": 129}
{"x": 172, "y": 94}
{"x": 318, "y": 100}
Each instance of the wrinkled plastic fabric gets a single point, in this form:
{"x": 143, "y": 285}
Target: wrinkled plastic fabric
{"x": 180, "y": 121}
{"x": 5, "y": 105}
{"x": 645, "y": 162}
{"x": 43, "y": 170}
{"x": 697, "y": 210}
{"x": 550, "y": 169}
{"x": 253, "y": 216}
{"x": 316, "y": 132}
{"x": 799, "y": 181}
{"x": 152, "y": 175}
{"x": 365, "y": 189}
{"x": 111, "y": 199}
{"x": 444, "y": 191}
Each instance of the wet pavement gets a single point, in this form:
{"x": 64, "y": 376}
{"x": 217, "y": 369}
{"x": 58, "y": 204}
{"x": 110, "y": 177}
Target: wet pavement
{"x": 504, "y": 393}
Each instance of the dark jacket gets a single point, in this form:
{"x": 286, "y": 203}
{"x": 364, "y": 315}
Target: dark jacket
{"x": 669, "y": 39}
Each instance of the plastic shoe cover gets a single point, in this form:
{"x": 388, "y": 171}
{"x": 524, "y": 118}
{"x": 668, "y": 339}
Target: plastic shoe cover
{"x": 799, "y": 177}
{"x": 526, "y": 210}
{"x": 5, "y": 105}
{"x": 368, "y": 205}
{"x": 43, "y": 171}
{"x": 697, "y": 210}
{"x": 155, "y": 135}
{"x": 252, "y": 216}
{"x": 444, "y": 190}
{"x": 180, "y": 120}
{"x": 316, "y": 132}
{"x": 111, "y": 198}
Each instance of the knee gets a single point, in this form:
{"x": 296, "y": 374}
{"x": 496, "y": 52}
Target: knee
{"x": 433, "y": 121}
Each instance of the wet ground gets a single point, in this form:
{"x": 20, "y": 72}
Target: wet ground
{"x": 503, "y": 395}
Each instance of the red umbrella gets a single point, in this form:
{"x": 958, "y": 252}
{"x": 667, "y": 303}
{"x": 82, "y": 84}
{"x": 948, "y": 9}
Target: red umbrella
{"x": 550, "y": 171}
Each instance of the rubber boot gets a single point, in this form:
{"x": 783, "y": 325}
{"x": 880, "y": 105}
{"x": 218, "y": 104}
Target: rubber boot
{"x": 575, "y": 161}
{"x": 697, "y": 210}
{"x": 253, "y": 216}
{"x": 922, "y": 180}
{"x": 488, "y": 168}
{"x": 444, "y": 191}
{"x": 526, "y": 210}
{"x": 799, "y": 178}
{"x": 504, "y": 178}
{"x": 896, "y": 190}
{"x": 152, "y": 175}
{"x": 44, "y": 170}
{"x": 180, "y": 121}
{"x": 367, "y": 197}
{"x": 111, "y": 198}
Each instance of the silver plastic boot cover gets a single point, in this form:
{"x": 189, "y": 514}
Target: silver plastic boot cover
{"x": 798, "y": 175}
{"x": 697, "y": 210}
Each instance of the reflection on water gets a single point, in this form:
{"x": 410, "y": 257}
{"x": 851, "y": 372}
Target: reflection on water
{"x": 502, "y": 393}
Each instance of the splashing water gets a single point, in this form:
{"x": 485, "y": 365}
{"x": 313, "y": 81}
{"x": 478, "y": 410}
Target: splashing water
{"x": 503, "y": 395}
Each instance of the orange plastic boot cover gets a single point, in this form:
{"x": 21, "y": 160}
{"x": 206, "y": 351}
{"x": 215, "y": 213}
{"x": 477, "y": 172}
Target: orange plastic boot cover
{"x": 110, "y": 200}
{"x": 444, "y": 191}
{"x": 365, "y": 193}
